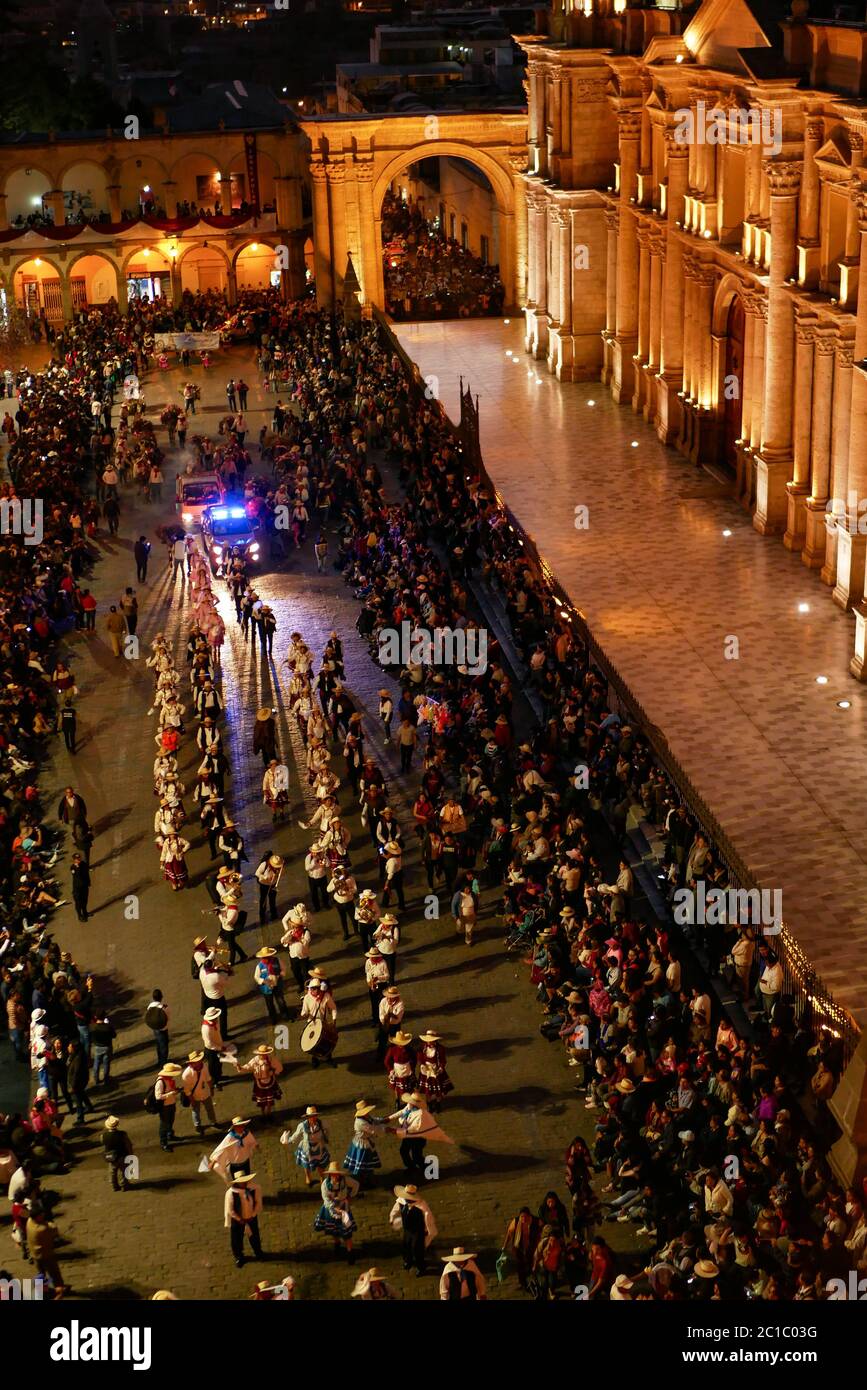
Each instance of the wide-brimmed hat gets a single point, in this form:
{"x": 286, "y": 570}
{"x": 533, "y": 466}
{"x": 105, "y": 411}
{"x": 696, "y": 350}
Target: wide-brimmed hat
{"x": 226, "y": 872}
{"x": 212, "y": 1015}
{"x": 170, "y": 1069}
{"x": 625, "y": 1087}
{"x": 392, "y": 847}
{"x": 458, "y": 1255}
{"x": 706, "y": 1269}
{"x": 238, "y": 1120}
{"x": 374, "y": 951}
{"x": 401, "y": 1038}
{"x": 367, "y": 893}
{"x": 364, "y": 1107}
{"x": 408, "y": 1193}
{"x": 392, "y": 991}
{"x": 265, "y": 953}
{"x": 200, "y": 941}
{"x": 112, "y": 1122}
{"x": 311, "y": 1110}
{"x": 264, "y": 712}
{"x": 264, "y": 1049}
{"x": 430, "y": 1036}
{"x": 243, "y": 1177}
{"x": 413, "y": 1098}
{"x": 276, "y": 861}
{"x": 389, "y": 920}
{"x": 195, "y": 1057}
{"x": 334, "y": 1167}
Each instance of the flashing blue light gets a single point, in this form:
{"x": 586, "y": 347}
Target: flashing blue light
{"x": 237, "y": 511}
{"x": 220, "y": 513}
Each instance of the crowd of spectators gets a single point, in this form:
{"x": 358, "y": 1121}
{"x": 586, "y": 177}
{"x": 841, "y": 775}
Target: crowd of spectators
{"x": 429, "y": 275}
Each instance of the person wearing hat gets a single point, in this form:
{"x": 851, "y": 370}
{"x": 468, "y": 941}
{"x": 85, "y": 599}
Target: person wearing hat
{"x": 399, "y": 1061}
{"x": 412, "y": 1216}
{"x": 311, "y": 1138}
{"x": 235, "y": 1151}
{"x": 265, "y": 1292}
{"x": 268, "y": 874}
{"x": 165, "y": 1091}
{"x": 334, "y": 1218}
{"x": 344, "y": 890}
{"x": 275, "y": 794}
{"x": 415, "y": 1127}
{"x": 268, "y": 978}
{"x": 318, "y": 1004}
{"x": 212, "y": 981}
{"x": 386, "y": 937}
{"x": 212, "y": 817}
{"x": 265, "y": 1067}
{"x": 372, "y": 1285}
{"x": 316, "y": 868}
{"x": 433, "y": 1078}
{"x": 296, "y": 938}
{"x": 376, "y": 976}
{"x": 117, "y": 1148}
{"x": 386, "y": 713}
{"x": 213, "y": 1045}
{"x": 232, "y": 919}
{"x": 362, "y": 1158}
{"x": 198, "y": 1089}
{"x": 461, "y": 1277}
{"x": 231, "y": 845}
{"x": 391, "y": 1012}
{"x": 393, "y": 867}
{"x": 265, "y": 735}
{"x": 366, "y": 916}
{"x": 241, "y": 1208}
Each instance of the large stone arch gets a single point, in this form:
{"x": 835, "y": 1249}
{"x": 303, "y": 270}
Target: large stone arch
{"x": 354, "y": 160}
{"x": 99, "y": 253}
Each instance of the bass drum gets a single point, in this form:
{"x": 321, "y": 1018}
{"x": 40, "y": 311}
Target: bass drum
{"x": 312, "y": 1035}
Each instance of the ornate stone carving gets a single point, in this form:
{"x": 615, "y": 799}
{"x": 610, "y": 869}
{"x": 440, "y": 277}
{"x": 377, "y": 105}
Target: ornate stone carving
{"x": 845, "y": 353}
{"x": 590, "y": 89}
{"x": 629, "y": 125}
{"x": 825, "y": 344}
{"x": 612, "y": 219}
{"x": 784, "y": 177}
{"x": 805, "y": 332}
{"x": 814, "y": 130}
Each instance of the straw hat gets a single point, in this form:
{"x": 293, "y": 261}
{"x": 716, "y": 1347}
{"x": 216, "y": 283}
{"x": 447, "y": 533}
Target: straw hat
{"x": 402, "y": 1039}
{"x": 392, "y": 847}
{"x": 430, "y": 1037}
{"x": 373, "y": 953}
{"x": 200, "y": 941}
{"x": 264, "y": 713}
{"x": 170, "y": 1069}
{"x": 392, "y": 992}
{"x": 242, "y": 1177}
{"x": 459, "y": 1255}
{"x": 413, "y": 1098}
{"x": 625, "y": 1087}
{"x": 334, "y": 1167}
{"x": 408, "y": 1193}
{"x": 364, "y": 1107}
{"x": 311, "y": 1110}
{"x": 389, "y": 920}
{"x": 212, "y": 1015}
{"x": 275, "y": 861}
{"x": 238, "y": 1120}
{"x": 264, "y": 1050}
{"x": 112, "y": 1122}
{"x": 195, "y": 1057}
{"x": 265, "y": 953}
{"x": 706, "y": 1269}
{"x": 317, "y": 973}
{"x": 367, "y": 893}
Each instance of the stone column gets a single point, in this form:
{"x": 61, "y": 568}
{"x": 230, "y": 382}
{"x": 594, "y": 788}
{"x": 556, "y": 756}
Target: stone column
{"x": 553, "y": 119}
{"x": 54, "y": 200}
{"x": 848, "y": 1105}
{"x": 657, "y": 265}
{"x": 288, "y": 189}
{"x": 538, "y": 143}
{"x": 799, "y": 487}
{"x": 114, "y": 208}
{"x": 612, "y": 216}
{"x": 749, "y": 364}
{"x": 170, "y": 201}
{"x": 564, "y": 314}
{"x": 857, "y": 481}
{"x": 808, "y": 208}
{"x": 775, "y": 459}
{"x": 639, "y": 393}
{"x": 760, "y": 306}
{"x": 336, "y": 171}
{"x": 66, "y": 296}
{"x": 670, "y": 378}
{"x": 629, "y": 123}
{"x": 566, "y": 130}
{"x": 813, "y": 553}
{"x": 838, "y": 550}
{"x": 232, "y": 285}
{"x": 322, "y": 257}
{"x": 518, "y": 164}
{"x": 688, "y": 368}
{"x": 371, "y": 251}
{"x": 532, "y": 202}
{"x": 705, "y": 280}
{"x": 553, "y": 258}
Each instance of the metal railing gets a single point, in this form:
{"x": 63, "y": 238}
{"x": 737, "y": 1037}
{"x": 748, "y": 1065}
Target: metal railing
{"x": 814, "y": 1004}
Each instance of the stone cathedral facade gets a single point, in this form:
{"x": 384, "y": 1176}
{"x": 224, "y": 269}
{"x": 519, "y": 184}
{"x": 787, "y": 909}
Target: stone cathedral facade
{"x": 697, "y": 237}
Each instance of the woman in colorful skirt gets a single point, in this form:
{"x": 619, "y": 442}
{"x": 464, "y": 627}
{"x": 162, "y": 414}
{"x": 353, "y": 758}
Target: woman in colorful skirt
{"x": 275, "y": 794}
{"x": 433, "y": 1079}
{"x": 334, "y": 1217}
{"x": 265, "y": 1067}
{"x": 173, "y": 863}
{"x": 362, "y": 1159}
{"x": 311, "y": 1137}
{"x": 399, "y": 1063}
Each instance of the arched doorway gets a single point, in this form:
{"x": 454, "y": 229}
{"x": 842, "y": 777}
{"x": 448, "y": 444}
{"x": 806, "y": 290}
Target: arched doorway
{"x": 26, "y": 190}
{"x": 85, "y": 191}
{"x": 92, "y": 281}
{"x": 255, "y": 267}
{"x": 148, "y": 276}
{"x": 733, "y": 382}
{"x": 203, "y": 268}
{"x": 38, "y": 290}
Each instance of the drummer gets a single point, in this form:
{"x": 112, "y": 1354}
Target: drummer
{"x": 319, "y": 1014}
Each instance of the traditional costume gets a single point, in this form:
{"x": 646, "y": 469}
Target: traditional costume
{"x": 311, "y": 1138}
{"x": 174, "y": 864}
{"x": 399, "y": 1062}
{"x": 433, "y": 1079}
{"x": 265, "y": 1067}
{"x": 362, "y": 1157}
{"x": 334, "y": 1217}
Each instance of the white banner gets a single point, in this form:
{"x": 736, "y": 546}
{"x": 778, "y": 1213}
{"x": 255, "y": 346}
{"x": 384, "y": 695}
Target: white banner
{"x": 193, "y": 342}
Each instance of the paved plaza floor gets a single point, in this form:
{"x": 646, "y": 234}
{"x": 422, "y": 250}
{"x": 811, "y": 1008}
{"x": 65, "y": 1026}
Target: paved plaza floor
{"x": 664, "y": 590}
{"x": 514, "y": 1108}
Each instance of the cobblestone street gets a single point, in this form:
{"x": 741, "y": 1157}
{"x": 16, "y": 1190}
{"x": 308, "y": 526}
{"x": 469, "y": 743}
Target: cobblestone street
{"x": 513, "y": 1110}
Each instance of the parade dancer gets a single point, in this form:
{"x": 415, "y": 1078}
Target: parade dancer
{"x": 334, "y": 1217}
{"x": 399, "y": 1062}
{"x": 311, "y": 1138}
{"x": 415, "y": 1127}
{"x": 412, "y": 1216}
{"x": 274, "y": 790}
{"x": 433, "y": 1079}
{"x": 241, "y": 1208}
{"x": 391, "y": 1012}
{"x": 372, "y": 1286}
{"x": 362, "y": 1158}
{"x": 173, "y": 862}
{"x": 265, "y": 1067}
{"x": 234, "y": 1152}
